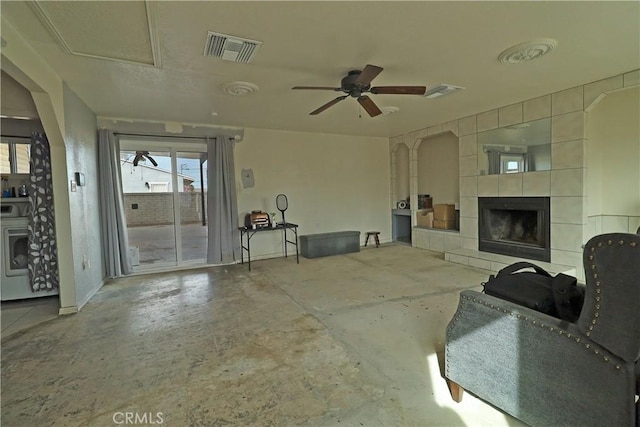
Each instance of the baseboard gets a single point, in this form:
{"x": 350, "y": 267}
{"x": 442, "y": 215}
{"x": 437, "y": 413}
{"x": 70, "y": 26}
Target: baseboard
{"x": 67, "y": 310}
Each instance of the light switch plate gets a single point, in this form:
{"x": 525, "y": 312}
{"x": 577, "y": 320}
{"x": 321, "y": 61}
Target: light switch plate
{"x": 74, "y": 186}
{"x": 80, "y": 179}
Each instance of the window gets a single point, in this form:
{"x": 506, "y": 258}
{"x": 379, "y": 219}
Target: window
{"x": 512, "y": 166}
{"x": 511, "y": 163}
{"x": 158, "y": 187}
{"x": 15, "y": 157}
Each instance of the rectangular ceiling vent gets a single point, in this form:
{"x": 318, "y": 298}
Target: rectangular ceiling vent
{"x": 231, "y": 48}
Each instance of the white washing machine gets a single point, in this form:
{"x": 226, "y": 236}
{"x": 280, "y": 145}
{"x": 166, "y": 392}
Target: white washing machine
{"x": 15, "y": 246}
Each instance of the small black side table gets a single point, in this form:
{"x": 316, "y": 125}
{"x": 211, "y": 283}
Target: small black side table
{"x": 249, "y": 232}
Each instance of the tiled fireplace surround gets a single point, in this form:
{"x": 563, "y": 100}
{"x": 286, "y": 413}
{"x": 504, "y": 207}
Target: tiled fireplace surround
{"x": 564, "y": 183}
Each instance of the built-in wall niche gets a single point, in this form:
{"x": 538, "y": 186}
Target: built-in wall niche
{"x": 438, "y": 168}
{"x": 523, "y": 147}
{"x": 401, "y": 189}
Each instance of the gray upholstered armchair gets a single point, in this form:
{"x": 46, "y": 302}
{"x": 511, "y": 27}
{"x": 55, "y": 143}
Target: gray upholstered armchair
{"x": 548, "y": 372}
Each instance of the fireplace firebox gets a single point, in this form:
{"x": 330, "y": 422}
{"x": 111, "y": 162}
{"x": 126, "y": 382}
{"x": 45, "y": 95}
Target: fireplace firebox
{"x": 516, "y": 226}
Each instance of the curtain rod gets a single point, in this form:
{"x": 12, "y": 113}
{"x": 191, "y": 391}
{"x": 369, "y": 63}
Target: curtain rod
{"x": 151, "y": 135}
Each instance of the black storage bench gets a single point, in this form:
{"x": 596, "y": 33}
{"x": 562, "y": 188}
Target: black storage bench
{"x": 326, "y": 244}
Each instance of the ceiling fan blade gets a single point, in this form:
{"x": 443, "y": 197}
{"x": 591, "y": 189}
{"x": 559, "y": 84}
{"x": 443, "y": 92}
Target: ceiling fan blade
{"x": 153, "y": 162}
{"x": 369, "y": 106}
{"x": 368, "y": 74}
{"x": 327, "y": 105}
{"x": 137, "y": 158}
{"x": 316, "y": 88}
{"x": 399, "y": 90}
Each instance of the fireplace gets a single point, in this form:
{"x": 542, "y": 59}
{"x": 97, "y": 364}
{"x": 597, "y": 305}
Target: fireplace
{"x": 516, "y": 226}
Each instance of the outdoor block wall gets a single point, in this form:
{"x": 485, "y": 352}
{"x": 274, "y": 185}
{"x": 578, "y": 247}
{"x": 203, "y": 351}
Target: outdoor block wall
{"x": 157, "y": 208}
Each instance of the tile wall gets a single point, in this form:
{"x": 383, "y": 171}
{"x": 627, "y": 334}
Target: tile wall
{"x": 564, "y": 183}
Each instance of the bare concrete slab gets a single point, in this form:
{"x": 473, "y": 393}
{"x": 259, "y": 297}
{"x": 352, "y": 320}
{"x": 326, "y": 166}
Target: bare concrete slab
{"x": 346, "y": 340}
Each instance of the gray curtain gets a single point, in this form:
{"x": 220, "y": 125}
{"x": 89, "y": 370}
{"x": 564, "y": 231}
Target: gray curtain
{"x": 222, "y": 206}
{"x": 114, "y": 227}
{"x": 529, "y": 164}
{"x": 42, "y": 260}
{"x": 494, "y": 161}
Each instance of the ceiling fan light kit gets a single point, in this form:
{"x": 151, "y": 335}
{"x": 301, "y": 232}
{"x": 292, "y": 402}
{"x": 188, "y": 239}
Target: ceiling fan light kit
{"x": 356, "y": 84}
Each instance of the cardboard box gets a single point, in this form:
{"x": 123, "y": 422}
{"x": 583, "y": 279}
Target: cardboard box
{"x": 444, "y": 225}
{"x": 425, "y": 218}
{"x": 444, "y": 212}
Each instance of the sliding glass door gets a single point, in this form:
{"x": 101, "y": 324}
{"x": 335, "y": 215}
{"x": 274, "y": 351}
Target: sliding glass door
{"x": 164, "y": 192}
{"x": 192, "y": 167}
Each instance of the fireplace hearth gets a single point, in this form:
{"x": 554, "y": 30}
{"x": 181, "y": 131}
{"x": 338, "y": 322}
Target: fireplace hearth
{"x": 516, "y": 226}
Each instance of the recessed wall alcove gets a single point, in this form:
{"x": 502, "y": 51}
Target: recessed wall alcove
{"x": 400, "y": 159}
{"x": 435, "y": 170}
{"x": 437, "y": 161}
{"x": 400, "y": 191}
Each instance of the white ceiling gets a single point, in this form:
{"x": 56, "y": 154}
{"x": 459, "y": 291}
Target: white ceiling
{"x": 316, "y": 44}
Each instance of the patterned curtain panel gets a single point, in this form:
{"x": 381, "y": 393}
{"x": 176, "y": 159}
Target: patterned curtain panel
{"x": 43, "y": 253}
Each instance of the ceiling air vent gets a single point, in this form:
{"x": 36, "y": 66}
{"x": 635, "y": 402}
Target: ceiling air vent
{"x": 231, "y": 48}
{"x": 441, "y": 90}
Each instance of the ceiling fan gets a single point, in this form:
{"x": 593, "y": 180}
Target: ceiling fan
{"x": 358, "y": 82}
{"x": 142, "y": 155}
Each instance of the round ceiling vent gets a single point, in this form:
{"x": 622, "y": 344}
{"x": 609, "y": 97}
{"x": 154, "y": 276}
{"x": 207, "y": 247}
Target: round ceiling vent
{"x": 527, "y": 51}
{"x": 239, "y": 88}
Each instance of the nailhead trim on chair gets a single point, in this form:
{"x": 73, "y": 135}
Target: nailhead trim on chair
{"x": 596, "y": 312}
{"x": 587, "y": 346}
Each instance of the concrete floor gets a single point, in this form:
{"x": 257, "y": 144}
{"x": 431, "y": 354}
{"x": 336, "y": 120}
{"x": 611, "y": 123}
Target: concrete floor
{"x": 157, "y": 243}
{"x": 345, "y": 340}
{"x": 23, "y": 314}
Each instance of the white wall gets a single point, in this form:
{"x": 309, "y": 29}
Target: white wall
{"x": 84, "y": 204}
{"x": 401, "y": 180}
{"x": 16, "y": 100}
{"x": 438, "y": 168}
{"x": 613, "y": 162}
{"x": 23, "y": 64}
{"x": 333, "y": 183}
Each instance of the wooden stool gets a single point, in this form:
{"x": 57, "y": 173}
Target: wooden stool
{"x": 375, "y": 236}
